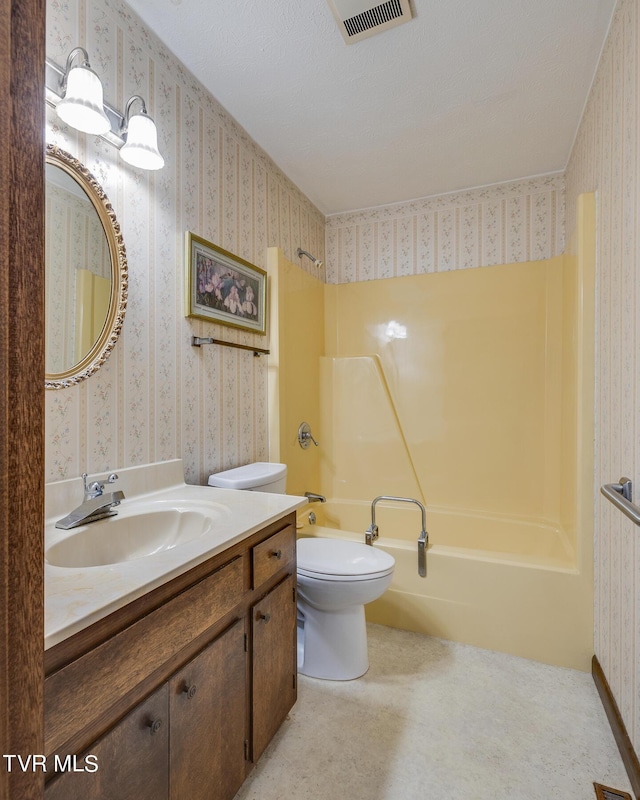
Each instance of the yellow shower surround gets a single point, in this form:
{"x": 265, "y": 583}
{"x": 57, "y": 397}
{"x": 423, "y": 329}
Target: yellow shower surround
{"x": 471, "y": 391}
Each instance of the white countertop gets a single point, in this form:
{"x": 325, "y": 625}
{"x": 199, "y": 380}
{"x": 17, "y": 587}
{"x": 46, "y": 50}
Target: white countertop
{"x": 79, "y": 596}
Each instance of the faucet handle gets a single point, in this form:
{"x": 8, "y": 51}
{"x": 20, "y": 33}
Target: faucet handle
{"x": 96, "y": 488}
{"x": 90, "y": 490}
{"x": 305, "y": 437}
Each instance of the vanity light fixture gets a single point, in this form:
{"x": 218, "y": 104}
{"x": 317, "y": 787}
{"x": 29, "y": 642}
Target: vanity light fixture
{"x": 141, "y": 146}
{"x": 76, "y": 94}
{"x": 82, "y": 104}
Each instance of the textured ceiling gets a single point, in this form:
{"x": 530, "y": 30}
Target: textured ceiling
{"x": 468, "y": 93}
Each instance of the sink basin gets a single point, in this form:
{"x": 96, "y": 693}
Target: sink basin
{"x": 128, "y": 537}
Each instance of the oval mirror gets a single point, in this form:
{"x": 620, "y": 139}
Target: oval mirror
{"x": 86, "y": 272}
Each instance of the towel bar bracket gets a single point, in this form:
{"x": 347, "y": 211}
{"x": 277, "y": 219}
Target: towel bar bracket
{"x": 621, "y": 495}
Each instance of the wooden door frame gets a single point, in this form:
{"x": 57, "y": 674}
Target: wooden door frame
{"x": 22, "y": 45}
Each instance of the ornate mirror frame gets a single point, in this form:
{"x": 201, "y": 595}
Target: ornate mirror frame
{"x": 105, "y": 342}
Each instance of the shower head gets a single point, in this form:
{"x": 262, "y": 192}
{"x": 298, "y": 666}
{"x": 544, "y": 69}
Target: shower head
{"x": 315, "y": 260}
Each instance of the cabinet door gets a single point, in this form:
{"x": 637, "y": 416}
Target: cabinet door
{"x": 132, "y": 759}
{"x": 208, "y": 721}
{"x": 274, "y": 662}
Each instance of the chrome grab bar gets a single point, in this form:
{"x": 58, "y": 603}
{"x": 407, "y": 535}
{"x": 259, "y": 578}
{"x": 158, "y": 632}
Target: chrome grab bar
{"x": 371, "y": 533}
{"x": 621, "y": 495}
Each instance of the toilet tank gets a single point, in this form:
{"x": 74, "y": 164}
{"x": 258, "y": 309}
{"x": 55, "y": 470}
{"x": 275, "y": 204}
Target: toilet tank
{"x": 262, "y": 476}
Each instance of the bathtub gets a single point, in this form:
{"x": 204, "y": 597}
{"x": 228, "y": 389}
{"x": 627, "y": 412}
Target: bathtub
{"x": 504, "y": 584}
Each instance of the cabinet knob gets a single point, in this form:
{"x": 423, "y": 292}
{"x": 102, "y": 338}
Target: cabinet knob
{"x": 155, "y": 726}
{"x": 190, "y": 691}
{"x": 276, "y": 554}
{"x": 264, "y": 617}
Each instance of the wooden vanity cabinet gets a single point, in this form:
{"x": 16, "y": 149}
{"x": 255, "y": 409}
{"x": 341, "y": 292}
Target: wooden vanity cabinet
{"x": 131, "y": 758}
{"x": 177, "y": 694}
{"x": 274, "y": 678}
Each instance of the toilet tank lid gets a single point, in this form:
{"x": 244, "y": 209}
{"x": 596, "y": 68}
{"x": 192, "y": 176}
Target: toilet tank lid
{"x": 257, "y": 474}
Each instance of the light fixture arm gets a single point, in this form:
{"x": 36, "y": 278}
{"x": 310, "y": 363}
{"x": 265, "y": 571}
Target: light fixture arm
{"x": 127, "y": 111}
{"x": 73, "y": 54}
{"x": 70, "y": 58}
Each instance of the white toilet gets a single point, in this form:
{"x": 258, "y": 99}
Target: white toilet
{"x": 335, "y": 580}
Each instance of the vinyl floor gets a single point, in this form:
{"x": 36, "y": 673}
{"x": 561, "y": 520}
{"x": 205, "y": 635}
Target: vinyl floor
{"x": 436, "y": 720}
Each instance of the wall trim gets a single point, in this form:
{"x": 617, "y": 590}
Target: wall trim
{"x": 619, "y": 729}
{"x": 22, "y": 45}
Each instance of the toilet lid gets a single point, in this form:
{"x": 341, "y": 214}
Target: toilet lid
{"x": 340, "y": 557}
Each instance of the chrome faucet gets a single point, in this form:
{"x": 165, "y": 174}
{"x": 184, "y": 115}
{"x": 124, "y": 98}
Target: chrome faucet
{"x": 96, "y": 488}
{"x": 96, "y": 504}
{"x": 312, "y": 497}
{"x": 371, "y": 534}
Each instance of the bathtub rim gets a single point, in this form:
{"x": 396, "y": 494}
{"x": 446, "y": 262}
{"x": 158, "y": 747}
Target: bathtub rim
{"x": 449, "y": 551}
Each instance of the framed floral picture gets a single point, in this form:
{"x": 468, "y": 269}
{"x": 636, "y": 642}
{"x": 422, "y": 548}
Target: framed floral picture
{"x": 224, "y": 288}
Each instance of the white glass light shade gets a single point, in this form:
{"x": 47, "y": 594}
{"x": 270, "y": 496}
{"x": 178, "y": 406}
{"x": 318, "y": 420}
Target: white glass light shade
{"x": 141, "y": 147}
{"x": 82, "y": 106}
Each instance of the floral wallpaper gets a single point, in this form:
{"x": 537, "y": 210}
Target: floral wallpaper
{"x": 605, "y": 159}
{"x": 157, "y": 397}
{"x": 501, "y": 224}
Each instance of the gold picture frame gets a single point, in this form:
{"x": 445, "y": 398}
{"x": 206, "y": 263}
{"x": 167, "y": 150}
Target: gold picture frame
{"x": 222, "y": 287}
{"x": 93, "y": 356}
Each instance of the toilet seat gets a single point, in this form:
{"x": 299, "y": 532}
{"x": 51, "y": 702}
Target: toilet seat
{"x": 340, "y": 560}
{"x": 329, "y": 577}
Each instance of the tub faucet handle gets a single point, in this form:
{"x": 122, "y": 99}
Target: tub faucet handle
{"x": 305, "y": 437}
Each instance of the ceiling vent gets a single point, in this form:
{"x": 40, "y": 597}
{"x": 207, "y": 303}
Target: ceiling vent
{"x": 361, "y": 18}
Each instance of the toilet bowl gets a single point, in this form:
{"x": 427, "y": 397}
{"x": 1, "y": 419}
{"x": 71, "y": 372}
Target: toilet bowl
{"x": 336, "y": 578}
